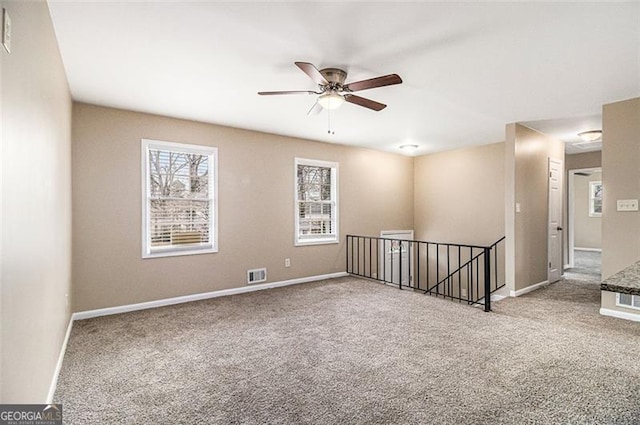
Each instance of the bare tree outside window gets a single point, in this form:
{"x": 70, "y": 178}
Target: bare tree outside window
{"x": 179, "y": 198}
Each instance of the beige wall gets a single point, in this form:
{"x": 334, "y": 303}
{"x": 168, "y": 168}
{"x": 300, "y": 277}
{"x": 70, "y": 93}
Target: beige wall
{"x": 575, "y": 162}
{"x": 36, "y": 205}
{"x": 459, "y": 195}
{"x": 583, "y": 160}
{"x": 587, "y": 229}
{"x": 256, "y": 227}
{"x": 621, "y": 180}
{"x": 527, "y": 171}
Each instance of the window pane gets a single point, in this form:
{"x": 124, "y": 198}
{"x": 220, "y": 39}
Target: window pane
{"x": 179, "y": 175}
{"x": 181, "y": 222}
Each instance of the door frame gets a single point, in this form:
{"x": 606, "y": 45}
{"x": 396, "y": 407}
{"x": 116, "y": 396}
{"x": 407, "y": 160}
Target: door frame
{"x": 571, "y": 210}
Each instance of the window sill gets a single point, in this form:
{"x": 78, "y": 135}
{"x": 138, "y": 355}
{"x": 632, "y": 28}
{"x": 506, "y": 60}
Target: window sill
{"x": 177, "y": 252}
{"x": 308, "y": 242}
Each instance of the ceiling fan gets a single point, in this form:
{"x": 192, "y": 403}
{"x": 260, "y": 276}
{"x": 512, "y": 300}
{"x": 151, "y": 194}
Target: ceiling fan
{"x": 332, "y": 90}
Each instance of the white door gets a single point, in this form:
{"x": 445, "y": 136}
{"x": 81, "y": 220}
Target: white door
{"x": 397, "y": 255}
{"x": 554, "y": 242}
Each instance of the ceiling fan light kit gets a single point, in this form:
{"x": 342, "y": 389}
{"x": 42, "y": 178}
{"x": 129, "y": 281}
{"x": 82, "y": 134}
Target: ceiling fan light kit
{"x": 333, "y": 91}
{"x": 331, "y": 100}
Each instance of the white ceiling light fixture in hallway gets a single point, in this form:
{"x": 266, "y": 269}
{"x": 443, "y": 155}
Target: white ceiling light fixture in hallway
{"x": 591, "y": 135}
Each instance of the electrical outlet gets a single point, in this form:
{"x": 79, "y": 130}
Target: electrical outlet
{"x": 6, "y": 30}
{"x": 287, "y": 262}
{"x": 627, "y": 205}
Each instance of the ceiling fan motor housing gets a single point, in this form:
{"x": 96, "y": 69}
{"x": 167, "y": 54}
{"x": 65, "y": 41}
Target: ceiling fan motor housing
{"x": 334, "y": 75}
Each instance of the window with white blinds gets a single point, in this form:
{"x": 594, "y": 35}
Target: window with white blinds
{"x": 179, "y": 199}
{"x": 316, "y": 214}
{"x": 628, "y": 300}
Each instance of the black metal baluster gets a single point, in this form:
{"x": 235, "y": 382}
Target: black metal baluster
{"x": 400, "y": 264}
{"x": 391, "y": 251}
{"x": 437, "y": 269}
{"x": 410, "y": 272}
{"x": 495, "y": 257}
{"x": 477, "y": 278}
{"x": 418, "y": 264}
{"x": 370, "y": 259}
{"x": 487, "y": 280}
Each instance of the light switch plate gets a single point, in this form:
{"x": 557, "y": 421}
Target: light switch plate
{"x": 6, "y": 30}
{"x": 627, "y": 205}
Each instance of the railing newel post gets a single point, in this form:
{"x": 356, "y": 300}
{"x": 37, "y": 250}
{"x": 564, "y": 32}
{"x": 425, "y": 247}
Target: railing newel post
{"x": 487, "y": 280}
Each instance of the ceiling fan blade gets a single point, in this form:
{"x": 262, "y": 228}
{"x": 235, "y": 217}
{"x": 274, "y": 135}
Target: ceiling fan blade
{"x": 387, "y": 80}
{"x": 315, "y": 109}
{"x": 367, "y": 103}
{"x": 312, "y": 72}
{"x": 270, "y": 93}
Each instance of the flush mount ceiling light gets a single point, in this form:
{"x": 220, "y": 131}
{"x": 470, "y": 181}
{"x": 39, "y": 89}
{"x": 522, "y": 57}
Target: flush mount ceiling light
{"x": 331, "y": 101}
{"x": 409, "y": 148}
{"x": 591, "y": 136}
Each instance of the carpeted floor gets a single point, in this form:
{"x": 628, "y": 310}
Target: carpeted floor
{"x": 349, "y": 351}
{"x": 586, "y": 266}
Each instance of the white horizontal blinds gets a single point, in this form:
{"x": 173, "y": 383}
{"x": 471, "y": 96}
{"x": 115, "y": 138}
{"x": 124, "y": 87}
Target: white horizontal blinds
{"x": 629, "y": 300}
{"x": 179, "y": 199}
{"x": 316, "y": 201}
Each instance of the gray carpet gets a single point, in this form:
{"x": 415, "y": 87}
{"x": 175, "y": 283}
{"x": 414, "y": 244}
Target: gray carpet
{"x": 349, "y": 351}
{"x": 586, "y": 266}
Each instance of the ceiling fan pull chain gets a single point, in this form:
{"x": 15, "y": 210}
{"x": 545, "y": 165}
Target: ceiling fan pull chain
{"x": 329, "y": 130}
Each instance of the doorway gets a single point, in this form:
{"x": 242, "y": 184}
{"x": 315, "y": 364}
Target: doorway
{"x": 397, "y": 254}
{"x": 584, "y": 240}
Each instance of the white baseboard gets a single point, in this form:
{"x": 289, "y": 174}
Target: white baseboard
{"x": 56, "y": 372}
{"x": 202, "y": 296}
{"x": 588, "y": 249}
{"x": 528, "y": 289}
{"x": 620, "y": 314}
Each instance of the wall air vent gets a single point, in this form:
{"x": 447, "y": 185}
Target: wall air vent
{"x": 628, "y": 300}
{"x": 256, "y": 275}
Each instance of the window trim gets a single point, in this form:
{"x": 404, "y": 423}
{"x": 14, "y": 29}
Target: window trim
{"x": 592, "y": 185}
{"x": 212, "y": 153}
{"x": 322, "y": 240}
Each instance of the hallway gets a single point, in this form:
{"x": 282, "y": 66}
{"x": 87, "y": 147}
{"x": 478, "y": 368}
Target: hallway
{"x": 586, "y": 267}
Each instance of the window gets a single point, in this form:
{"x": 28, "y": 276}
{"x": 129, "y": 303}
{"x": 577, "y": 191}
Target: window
{"x": 628, "y": 300}
{"x": 595, "y": 199}
{"x": 179, "y": 211}
{"x": 316, "y": 214}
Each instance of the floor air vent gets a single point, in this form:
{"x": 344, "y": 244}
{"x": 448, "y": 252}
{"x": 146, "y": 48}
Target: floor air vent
{"x": 628, "y": 300}
{"x": 256, "y": 275}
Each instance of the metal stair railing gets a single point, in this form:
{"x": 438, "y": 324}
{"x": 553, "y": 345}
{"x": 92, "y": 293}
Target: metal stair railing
{"x": 466, "y": 270}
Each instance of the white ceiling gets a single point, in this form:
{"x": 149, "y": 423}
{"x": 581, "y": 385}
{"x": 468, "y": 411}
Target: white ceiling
{"x": 468, "y": 68}
{"x": 567, "y": 129}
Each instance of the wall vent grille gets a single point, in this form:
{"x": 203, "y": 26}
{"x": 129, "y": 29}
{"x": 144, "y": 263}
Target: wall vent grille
{"x": 256, "y": 275}
{"x": 628, "y": 300}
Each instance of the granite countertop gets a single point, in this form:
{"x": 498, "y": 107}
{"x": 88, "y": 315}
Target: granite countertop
{"x": 626, "y": 281}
